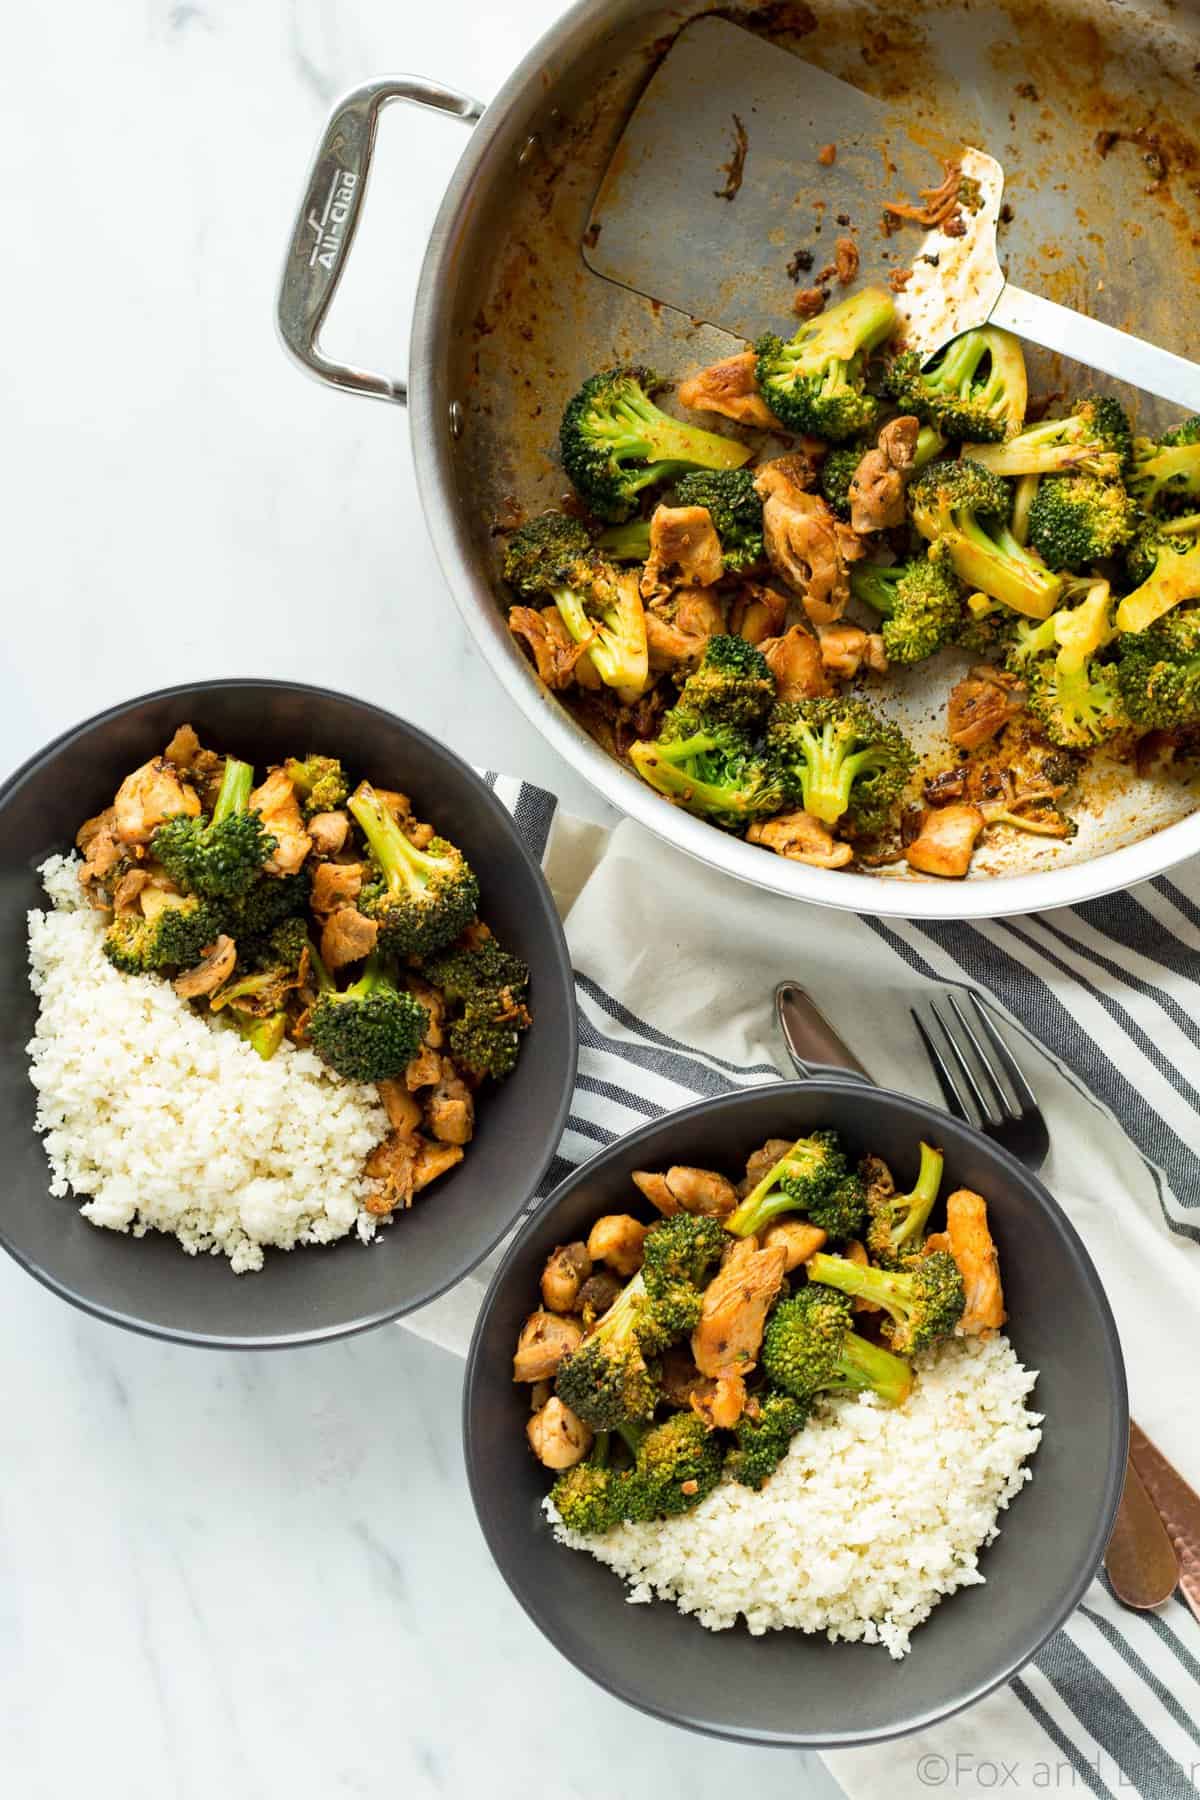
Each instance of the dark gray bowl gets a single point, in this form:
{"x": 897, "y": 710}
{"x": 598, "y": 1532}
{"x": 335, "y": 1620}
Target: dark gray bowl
{"x": 320, "y": 1292}
{"x": 785, "y": 1688}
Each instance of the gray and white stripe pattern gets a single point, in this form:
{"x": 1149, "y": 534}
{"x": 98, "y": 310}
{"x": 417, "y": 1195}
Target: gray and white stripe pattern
{"x": 1112, "y": 989}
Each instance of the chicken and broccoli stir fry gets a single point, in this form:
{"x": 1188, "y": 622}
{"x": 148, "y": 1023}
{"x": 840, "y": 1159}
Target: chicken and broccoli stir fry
{"x": 308, "y": 907}
{"x": 667, "y": 1357}
{"x": 718, "y": 610}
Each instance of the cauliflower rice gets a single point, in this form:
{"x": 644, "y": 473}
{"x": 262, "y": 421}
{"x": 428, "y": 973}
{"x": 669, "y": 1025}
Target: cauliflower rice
{"x": 168, "y": 1124}
{"x": 872, "y": 1517}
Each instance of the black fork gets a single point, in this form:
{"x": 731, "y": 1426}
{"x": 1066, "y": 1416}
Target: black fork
{"x": 979, "y": 1077}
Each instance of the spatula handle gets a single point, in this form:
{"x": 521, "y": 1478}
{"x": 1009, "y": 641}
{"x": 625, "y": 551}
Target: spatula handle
{"x": 1100, "y": 346}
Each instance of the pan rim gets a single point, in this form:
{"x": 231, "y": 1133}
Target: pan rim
{"x": 985, "y": 897}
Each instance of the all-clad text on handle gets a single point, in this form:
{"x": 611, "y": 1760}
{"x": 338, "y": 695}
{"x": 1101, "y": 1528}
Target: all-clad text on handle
{"x": 325, "y": 226}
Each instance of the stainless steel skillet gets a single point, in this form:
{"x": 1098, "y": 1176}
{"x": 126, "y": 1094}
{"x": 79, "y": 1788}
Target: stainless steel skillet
{"x": 1094, "y": 110}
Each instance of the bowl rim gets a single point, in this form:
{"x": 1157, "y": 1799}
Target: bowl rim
{"x": 1110, "y": 1492}
{"x": 563, "y": 970}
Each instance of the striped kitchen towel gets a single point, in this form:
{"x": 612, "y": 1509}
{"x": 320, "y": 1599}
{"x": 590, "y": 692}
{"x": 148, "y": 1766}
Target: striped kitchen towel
{"x": 675, "y": 969}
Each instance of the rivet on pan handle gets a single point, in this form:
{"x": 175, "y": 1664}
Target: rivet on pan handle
{"x": 328, "y": 216}
{"x": 813, "y": 1045}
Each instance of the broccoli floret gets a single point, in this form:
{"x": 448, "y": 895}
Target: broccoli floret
{"x": 974, "y": 389}
{"x": 677, "y": 1465}
{"x": 264, "y": 1036}
{"x": 949, "y": 502}
{"x": 680, "y": 1250}
{"x": 220, "y": 857}
{"x": 1075, "y": 698}
{"x": 1158, "y": 672}
{"x": 896, "y": 1222}
{"x": 715, "y": 773}
{"x": 600, "y": 605}
{"x": 735, "y": 510}
{"x": 924, "y": 1301}
{"x": 842, "y": 761}
{"x": 607, "y": 1382}
{"x": 422, "y": 899}
{"x": 809, "y": 1347}
{"x": 987, "y": 627}
{"x": 1093, "y": 440}
{"x": 1075, "y": 520}
{"x": 486, "y": 1037}
{"x": 921, "y": 604}
{"x": 615, "y": 442}
{"x": 173, "y": 938}
{"x": 1153, "y": 537}
{"x": 1165, "y": 476}
{"x": 586, "y": 1497}
{"x": 264, "y": 904}
{"x": 369, "y": 1032}
{"x": 733, "y": 685}
{"x": 763, "y": 1438}
{"x": 837, "y": 472}
{"x": 628, "y": 543}
{"x": 320, "y": 780}
{"x": 465, "y": 972}
{"x": 813, "y": 382}
{"x": 1174, "y": 578}
{"x": 811, "y": 1178}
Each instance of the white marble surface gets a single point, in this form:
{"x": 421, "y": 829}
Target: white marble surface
{"x": 237, "y": 1576}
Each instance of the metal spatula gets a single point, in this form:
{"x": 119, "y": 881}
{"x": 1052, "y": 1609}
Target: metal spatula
{"x": 700, "y": 204}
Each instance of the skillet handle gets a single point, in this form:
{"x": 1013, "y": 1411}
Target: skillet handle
{"x": 813, "y": 1045}
{"x": 325, "y": 225}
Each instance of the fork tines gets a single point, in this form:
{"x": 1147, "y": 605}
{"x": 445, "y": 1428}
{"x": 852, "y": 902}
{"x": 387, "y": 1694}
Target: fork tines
{"x": 979, "y": 1077}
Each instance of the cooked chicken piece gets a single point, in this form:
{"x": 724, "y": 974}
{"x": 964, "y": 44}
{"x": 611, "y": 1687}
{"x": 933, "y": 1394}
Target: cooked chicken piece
{"x": 685, "y": 551}
{"x": 404, "y": 1113}
{"x": 555, "y": 653}
{"x": 566, "y": 1270}
{"x": 796, "y": 1238}
{"x": 335, "y": 885}
{"x": 701, "y": 1191}
{"x": 876, "y": 491}
{"x": 845, "y": 260}
{"x": 678, "y": 629}
{"x": 328, "y": 831}
{"x": 211, "y": 972}
{"x": 103, "y": 824}
{"x": 730, "y": 388}
{"x": 947, "y": 838}
{"x": 449, "y": 1109}
{"x": 435, "y": 1010}
{"x": 735, "y": 1306}
{"x": 809, "y": 302}
{"x": 720, "y": 1403}
{"x": 758, "y": 613}
{"x": 597, "y": 1295}
{"x": 148, "y": 796}
{"x": 390, "y": 1164}
{"x": 127, "y": 893}
{"x": 857, "y": 1253}
{"x": 973, "y": 1249}
{"x": 546, "y": 1338}
{"x": 846, "y": 648}
{"x": 183, "y": 748}
{"x": 617, "y": 1239}
{"x": 278, "y": 805}
{"x": 680, "y": 1376}
{"x": 760, "y": 1163}
{"x": 424, "y": 1069}
{"x": 97, "y": 838}
{"x": 936, "y": 1240}
{"x": 981, "y": 704}
{"x": 795, "y": 660}
{"x": 807, "y": 544}
{"x": 432, "y": 1161}
{"x": 557, "y": 1437}
{"x": 657, "y": 1192}
{"x": 346, "y": 938}
{"x": 801, "y": 838}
